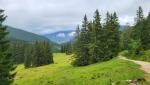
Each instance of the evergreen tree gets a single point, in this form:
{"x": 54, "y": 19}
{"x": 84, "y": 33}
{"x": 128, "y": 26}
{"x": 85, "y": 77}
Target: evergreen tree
{"x": 36, "y": 54}
{"x": 76, "y": 47}
{"x": 137, "y": 33}
{"x": 17, "y": 49}
{"x": 96, "y": 51}
{"x": 145, "y": 33}
{"x": 42, "y": 54}
{"x": 82, "y": 57}
{"x": 77, "y": 32}
{"x": 140, "y": 15}
{"x": 125, "y": 38}
{"x": 62, "y": 49}
{"x": 67, "y": 48}
{"x": 107, "y": 34}
{"x": 139, "y": 25}
{"x": 116, "y": 35}
{"x": 95, "y": 43}
{"x": 112, "y": 35}
{"x": 47, "y": 53}
{"x": 5, "y": 58}
{"x": 28, "y": 56}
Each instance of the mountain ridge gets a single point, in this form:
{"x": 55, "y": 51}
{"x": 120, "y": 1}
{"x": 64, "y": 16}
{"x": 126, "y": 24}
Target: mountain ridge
{"x": 24, "y": 35}
{"x": 61, "y": 37}
{"x": 18, "y": 35}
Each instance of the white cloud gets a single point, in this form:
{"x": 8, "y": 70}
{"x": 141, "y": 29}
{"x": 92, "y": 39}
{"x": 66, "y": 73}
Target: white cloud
{"x": 46, "y": 16}
{"x": 126, "y": 19}
{"x": 72, "y": 34}
{"x": 61, "y": 35}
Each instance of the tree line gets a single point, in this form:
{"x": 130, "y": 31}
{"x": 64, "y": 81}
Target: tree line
{"x": 38, "y": 54}
{"x": 136, "y": 39}
{"x": 67, "y": 48}
{"x": 97, "y": 42}
{"x": 31, "y": 54}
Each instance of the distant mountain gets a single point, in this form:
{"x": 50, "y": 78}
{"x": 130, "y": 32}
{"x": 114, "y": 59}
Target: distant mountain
{"x": 24, "y": 35}
{"x": 65, "y": 36}
{"x": 61, "y": 36}
{"x": 123, "y": 27}
{"x": 21, "y": 35}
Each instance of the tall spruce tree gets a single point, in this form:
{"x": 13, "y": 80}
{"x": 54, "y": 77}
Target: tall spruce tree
{"x": 116, "y": 35}
{"x": 136, "y": 41}
{"x": 107, "y": 34}
{"x": 139, "y": 14}
{"x": 47, "y": 53}
{"x": 28, "y": 56}
{"x": 76, "y": 47}
{"x": 36, "y": 54}
{"x": 96, "y": 51}
{"x": 42, "y": 54}
{"x": 17, "y": 49}
{"x": 138, "y": 25}
{"x": 111, "y": 33}
{"x": 146, "y": 34}
{"x": 82, "y": 56}
{"x": 5, "y": 58}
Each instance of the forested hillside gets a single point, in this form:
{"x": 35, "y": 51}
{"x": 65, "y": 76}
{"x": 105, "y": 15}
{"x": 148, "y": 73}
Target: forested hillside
{"x": 23, "y": 44}
{"x": 16, "y": 35}
{"x": 24, "y": 35}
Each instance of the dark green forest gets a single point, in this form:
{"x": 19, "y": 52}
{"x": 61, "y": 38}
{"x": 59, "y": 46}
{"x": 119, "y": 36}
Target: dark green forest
{"x": 97, "y": 42}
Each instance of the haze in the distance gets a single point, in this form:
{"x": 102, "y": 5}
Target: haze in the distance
{"x": 47, "y": 16}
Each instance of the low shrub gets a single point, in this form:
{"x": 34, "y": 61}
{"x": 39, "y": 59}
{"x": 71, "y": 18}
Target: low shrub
{"x": 124, "y": 53}
{"x": 144, "y": 56}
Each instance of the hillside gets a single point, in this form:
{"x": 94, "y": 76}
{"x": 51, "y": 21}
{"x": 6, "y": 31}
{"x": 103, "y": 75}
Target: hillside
{"x": 18, "y": 34}
{"x": 62, "y": 73}
{"x": 21, "y": 35}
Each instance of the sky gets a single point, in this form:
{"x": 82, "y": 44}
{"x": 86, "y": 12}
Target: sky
{"x": 48, "y": 16}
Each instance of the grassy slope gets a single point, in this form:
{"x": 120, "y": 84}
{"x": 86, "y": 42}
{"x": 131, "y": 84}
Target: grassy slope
{"x": 62, "y": 73}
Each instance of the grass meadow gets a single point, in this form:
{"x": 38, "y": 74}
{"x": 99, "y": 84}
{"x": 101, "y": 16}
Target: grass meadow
{"x": 115, "y": 71}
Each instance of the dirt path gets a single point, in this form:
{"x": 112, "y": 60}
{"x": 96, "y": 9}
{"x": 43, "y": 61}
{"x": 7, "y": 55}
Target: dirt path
{"x": 144, "y": 65}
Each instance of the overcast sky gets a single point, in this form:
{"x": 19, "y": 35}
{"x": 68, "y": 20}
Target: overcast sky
{"x": 47, "y": 16}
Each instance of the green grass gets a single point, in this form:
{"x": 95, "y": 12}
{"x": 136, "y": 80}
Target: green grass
{"x": 62, "y": 73}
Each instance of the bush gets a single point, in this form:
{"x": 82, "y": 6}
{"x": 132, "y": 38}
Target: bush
{"x": 124, "y": 53}
{"x": 144, "y": 55}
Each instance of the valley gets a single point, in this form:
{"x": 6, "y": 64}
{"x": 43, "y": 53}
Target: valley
{"x": 74, "y": 42}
